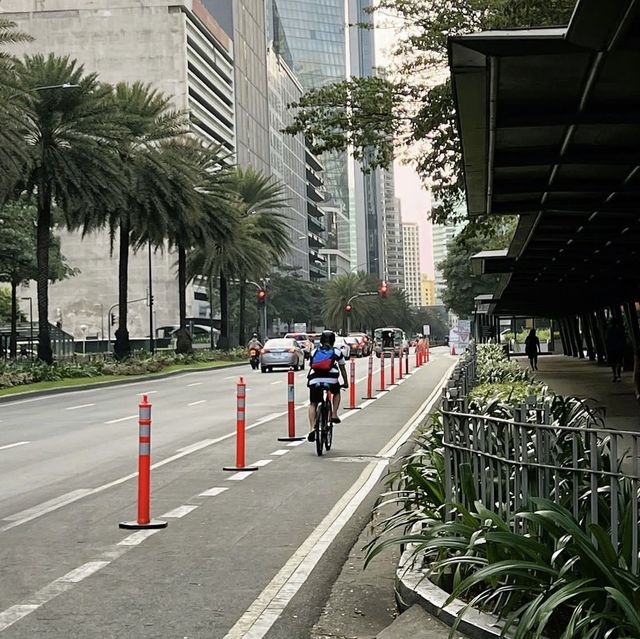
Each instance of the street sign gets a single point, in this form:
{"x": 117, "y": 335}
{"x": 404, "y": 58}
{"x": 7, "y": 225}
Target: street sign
{"x": 426, "y": 330}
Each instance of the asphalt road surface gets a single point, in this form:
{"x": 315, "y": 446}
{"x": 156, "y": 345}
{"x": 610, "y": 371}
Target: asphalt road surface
{"x": 244, "y": 555}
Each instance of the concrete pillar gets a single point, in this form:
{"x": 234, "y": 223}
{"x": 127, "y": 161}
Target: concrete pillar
{"x": 598, "y": 344}
{"x": 601, "y": 322}
{"x": 563, "y": 336}
{"x": 588, "y": 337}
{"x": 575, "y": 320}
{"x": 631, "y": 315}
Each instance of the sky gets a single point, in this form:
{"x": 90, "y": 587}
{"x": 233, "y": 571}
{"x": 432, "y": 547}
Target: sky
{"x": 414, "y": 197}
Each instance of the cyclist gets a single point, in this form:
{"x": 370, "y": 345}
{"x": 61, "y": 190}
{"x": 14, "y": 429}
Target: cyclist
{"x": 326, "y": 365}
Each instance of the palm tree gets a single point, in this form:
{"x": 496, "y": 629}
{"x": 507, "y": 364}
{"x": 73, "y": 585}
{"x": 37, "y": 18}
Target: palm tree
{"x": 338, "y": 291}
{"x": 70, "y": 136}
{"x": 262, "y": 201}
{"x": 11, "y": 142}
{"x": 152, "y": 187}
{"x": 204, "y": 211}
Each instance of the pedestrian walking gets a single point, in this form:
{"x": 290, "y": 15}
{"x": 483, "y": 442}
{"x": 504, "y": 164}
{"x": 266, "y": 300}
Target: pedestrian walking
{"x": 616, "y": 343}
{"x": 532, "y": 348}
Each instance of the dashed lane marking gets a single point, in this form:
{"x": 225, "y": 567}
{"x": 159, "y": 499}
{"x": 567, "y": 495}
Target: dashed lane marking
{"x": 196, "y": 384}
{"x": 201, "y": 401}
{"x": 243, "y": 474}
{"x": 79, "y": 406}
{"x": 279, "y": 452}
{"x": 212, "y": 492}
{"x": 179, "y": 512}
{"x": 13, "y": 445}
{"x": 120, "y": 419}
{"x": 262, "y": 462}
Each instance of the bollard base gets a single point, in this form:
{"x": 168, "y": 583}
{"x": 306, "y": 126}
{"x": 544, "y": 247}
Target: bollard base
{"x": 372, "y": 397}
{"x": 134, "y": 525}
{"x": 290, "y": 439}
{"x": 240, "y": 468}
{"x": 354, "y": 408}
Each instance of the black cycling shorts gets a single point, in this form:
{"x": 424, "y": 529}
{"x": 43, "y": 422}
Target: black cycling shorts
{"x": 315, "y": 392}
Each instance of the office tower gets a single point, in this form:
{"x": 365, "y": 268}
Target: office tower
{"x": 427, "y": 291}
{"x": 175, "y": 46}
{"x": 393, "y": 251}
{"x": 411, "y": 245}
{"x": 442, "y": 236}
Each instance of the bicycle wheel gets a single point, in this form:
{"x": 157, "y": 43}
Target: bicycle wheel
{"x": 328, "y": 437}
{"x": 320, "y": 428}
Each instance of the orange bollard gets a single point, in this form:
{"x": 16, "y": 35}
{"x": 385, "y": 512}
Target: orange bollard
{"x": 400, "y": 364}
{"x": 241, "y": 395}
{"x": 381, "y": 371}
{"x": 427, "y": 353}
{"x": 352, "y": 385}
{"x": 393, "y": 368}
{"x": 406, "y": 362}
{"x": 370, "y": 379}
{"x": 417, "y": 356}
{"x": 144, "y": 471}
{"x": 291, "y": 410}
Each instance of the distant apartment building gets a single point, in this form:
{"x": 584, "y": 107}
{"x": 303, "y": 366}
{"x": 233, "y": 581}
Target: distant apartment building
{"x": 411, "y": 245}
{"x": 393, "y": 251}
{"x": 442, "y": 236}
{"x": 427, "y": 290}
{"x": 177, "y": 47}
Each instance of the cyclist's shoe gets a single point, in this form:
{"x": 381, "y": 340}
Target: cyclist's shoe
{"x": 311, "y": 437}
{"x": 335, "y": 420}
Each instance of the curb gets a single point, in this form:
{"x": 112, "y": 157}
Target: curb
{"x": 115, "y": 382}
{"x": 413, "y": 587}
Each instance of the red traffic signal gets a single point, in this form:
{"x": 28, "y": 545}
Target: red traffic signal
{"x": 383, "y": 289}
{"x": 348, "y": 308}
{"x": 261, "y": 294}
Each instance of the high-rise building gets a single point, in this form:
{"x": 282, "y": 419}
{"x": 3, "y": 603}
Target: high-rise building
{"x": 427, "y": 290}
{"x": 442, "y": 236}
{"x": 393, "y": 251}
{"x": 177, "y": 47}
{"x": 411, "y": 244}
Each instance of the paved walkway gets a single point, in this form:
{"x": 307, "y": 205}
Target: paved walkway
{"x": 583, "y": 378}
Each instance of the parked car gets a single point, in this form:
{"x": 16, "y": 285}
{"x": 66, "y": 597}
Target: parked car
{"x": 342, "y": 344}
{"x": 366, "y": 342}
{"x": 281, "y": 352}
{"x": 355, "y": 345}
{"x": 303, "y": 340}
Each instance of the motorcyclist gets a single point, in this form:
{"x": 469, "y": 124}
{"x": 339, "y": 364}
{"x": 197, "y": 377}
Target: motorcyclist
{"x": 254, "y": 342}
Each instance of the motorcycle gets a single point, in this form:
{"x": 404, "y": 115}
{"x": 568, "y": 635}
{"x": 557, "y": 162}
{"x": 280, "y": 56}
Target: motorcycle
{"x": 254, "y": 358}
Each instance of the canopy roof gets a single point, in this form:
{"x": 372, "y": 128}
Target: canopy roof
{"x": 550, "y": 127}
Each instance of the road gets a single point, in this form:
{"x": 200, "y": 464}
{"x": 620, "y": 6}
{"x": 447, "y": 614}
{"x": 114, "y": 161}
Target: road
{"x": 244, "y": 555}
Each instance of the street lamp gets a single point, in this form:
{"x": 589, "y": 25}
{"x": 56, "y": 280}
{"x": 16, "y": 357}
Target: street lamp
{"x": 65, "y": 85}
{"x": 30, "y": 324}
{"x": 151, "y": 342}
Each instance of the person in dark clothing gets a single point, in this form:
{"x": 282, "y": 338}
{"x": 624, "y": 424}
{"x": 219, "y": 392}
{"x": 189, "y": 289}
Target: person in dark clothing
{"x": 616, "y": 342}
{"x": 532, "y": 348}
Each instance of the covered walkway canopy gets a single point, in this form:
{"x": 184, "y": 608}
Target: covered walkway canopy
{"x": 550, "y": 127}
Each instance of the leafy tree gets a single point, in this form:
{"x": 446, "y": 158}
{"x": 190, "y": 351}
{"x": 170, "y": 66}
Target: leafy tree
{"x": 462, "y": 284}
{"x": 18, "y": 262}
{"x": 295, "y": 300}
{"x": 70, "y": 130}
{"x": 5, "y": 305}
{"x": 412, "y": 106}
{"x": 435, "y": 317}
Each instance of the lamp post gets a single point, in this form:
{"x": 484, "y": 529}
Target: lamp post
{"x": 30, "y": 324}
{"x": 151, "y": 341}
{"x": 64, "y": 85}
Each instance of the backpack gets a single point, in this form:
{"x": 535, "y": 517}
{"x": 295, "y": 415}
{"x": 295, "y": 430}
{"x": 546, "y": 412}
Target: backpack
{"x": 323, "y": 360}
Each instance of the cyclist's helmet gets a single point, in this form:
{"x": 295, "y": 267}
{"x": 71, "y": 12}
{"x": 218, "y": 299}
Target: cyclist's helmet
{"x": 255, "y": 335}
{"x": 327, "y": 338}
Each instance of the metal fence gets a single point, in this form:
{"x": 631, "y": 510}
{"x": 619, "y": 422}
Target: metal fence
{"x": 503, "y": 462}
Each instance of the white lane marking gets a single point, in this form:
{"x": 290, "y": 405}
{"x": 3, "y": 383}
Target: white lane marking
{"x": 153, "y": 392}
{"x": 200, "y": 401}
{"x": 197, "y": 446}
{"x": 15, "y": 613}
{"x": 180, "y": 511}
{"x": 45, "y": 507}
{"x": 79, "y": 406}
{"x": 268, "y": 418}
{"x": 282, "y": 451}
{"x": 231, "y": 377}
{"x": 262, "y": 462}
{"x": 270, "y": 604}
{"x": 121, "y": 419}
{"x": 278, "y": 382}
{"x": 212, "y": 492}
{"x": 243, "y": 474}
{"x": 294, "y": 444}
{"x": 84, "y": 571}
{"x": 196, "y": 384}
{"x": 13, "y": 445}
{"x": 138, "y": 537}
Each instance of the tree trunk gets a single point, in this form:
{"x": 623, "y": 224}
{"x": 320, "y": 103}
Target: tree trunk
{"x": 122, "y": 348}
{"x": 13, "y": 340}
{"x": 242, "y": 336}
{"x": 43, "y": 235}
{"x": 223, "y": 341}
{"x": 184, "y": 342}
{"x": 212, "y": 342}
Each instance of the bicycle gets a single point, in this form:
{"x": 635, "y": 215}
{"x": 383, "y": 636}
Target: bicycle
{"x": 323, "y": 426}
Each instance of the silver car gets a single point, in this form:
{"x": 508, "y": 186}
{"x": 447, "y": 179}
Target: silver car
{"x": 283, "y": 352}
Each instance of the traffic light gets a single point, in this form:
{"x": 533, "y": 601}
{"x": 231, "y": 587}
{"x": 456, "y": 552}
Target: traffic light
{"x": 261, "y": 294}
{"x": 113, "y": 319}
{"x": 383, "y": 289}
{"x": 348, "y": 308}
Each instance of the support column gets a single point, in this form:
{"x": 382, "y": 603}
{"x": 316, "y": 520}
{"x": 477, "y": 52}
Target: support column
{"x": 601, "y": 321}
{"x": 586, "y": 329}
{"x": 632, "y": 319}
{"x": 575, "y": 320}
{"x": 563, "y": 336}
{"x": 597, "y": 339}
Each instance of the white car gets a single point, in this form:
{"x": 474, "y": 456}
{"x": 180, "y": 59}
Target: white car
{"x": 343, "y": 346}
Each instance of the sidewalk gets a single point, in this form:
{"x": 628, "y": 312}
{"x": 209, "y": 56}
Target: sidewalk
{"x": 583, "y": 378}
